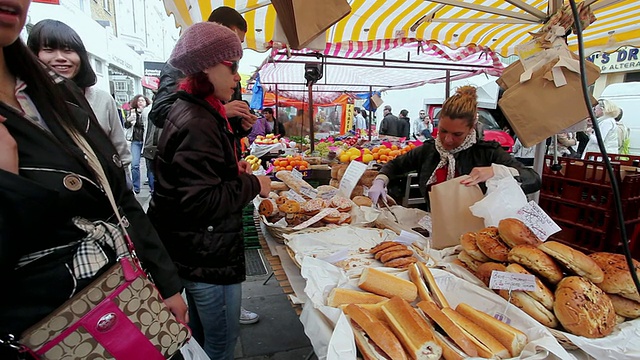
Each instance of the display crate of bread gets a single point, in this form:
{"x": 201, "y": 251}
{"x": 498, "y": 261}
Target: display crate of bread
{"x": 579, "y": 198}
{"x": 579, "y": 294}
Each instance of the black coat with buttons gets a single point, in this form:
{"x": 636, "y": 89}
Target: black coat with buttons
{"x": 200, "y": 193}
{"x": 54, "y": 185}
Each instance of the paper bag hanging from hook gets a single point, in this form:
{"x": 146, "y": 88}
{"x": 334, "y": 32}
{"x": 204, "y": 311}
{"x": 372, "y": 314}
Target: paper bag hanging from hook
{"x": 450, "y": 214}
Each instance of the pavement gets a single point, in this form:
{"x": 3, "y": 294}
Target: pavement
{"x": 279, "y": 334}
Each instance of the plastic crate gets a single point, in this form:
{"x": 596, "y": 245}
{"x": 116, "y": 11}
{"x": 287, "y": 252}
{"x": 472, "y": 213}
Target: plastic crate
{"x": 618, "y": 158}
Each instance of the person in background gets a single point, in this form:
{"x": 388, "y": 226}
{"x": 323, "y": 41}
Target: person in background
{"x": 624, "y": 134}
{"x": 423, "y": 126}
{"x": 60, "y": 47}
{"x": 457, "y": 150}
{"x": 606, "y": 111}
{"x": 50, "y": 149}
{"x": 566, "y": 141}
{"x": 135, "y": 124}
{"x": 150, "y": 147}
{"x": 201, "y": 186}
{"x": 405, "y": 121}
{"x": 523, "y": 154}
{"x": 267, "y": 124}
{"x": 358, "y": 120}
{"x": 390, "y": 124}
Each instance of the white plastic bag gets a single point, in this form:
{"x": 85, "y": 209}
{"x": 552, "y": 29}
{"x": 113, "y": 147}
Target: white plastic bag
{"x": 503, "y": 199}
{"x": 193, "y": 351}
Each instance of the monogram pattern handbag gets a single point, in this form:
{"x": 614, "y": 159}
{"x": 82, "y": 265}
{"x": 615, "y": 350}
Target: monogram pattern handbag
{"x": 120, "y": 315}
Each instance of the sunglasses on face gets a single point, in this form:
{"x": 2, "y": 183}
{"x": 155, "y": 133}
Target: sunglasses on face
{"x": 233, "y": 65}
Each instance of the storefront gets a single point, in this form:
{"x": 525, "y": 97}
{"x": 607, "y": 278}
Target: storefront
{"x": 620, "y": 66}
{"x": 125, "y": 71}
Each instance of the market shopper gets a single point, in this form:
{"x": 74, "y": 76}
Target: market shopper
{"x": 359, "y": 123}
{"x": 59, "y": 46}
{"x": 267, "y": 124}
{"x": 606, "y": 112}
{"x": 422, "y": 126}
{"x": 390, "y": 124}
{"x": 456, "y": 151}
{"x": 51, "y": 148}
{"x": 201, "y": 188}
{"x": 135, "y": 125}
{"x": 405, "y": 123}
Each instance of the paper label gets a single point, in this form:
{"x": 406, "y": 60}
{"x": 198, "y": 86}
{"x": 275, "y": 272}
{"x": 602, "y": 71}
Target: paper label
{"x": 296, "y": 174}
{"x": 351, "y": 177}
{"x": 319, "y": 216}
{"x": 292, "y": 195}
{"x": 503, "y": 317}
{"x": 329, "y": 194}
{"x": 501, "y": 280}
{"x": 365, "y": 191}
{"x": 537, "y": 220}
{"x": 309, "y": 192}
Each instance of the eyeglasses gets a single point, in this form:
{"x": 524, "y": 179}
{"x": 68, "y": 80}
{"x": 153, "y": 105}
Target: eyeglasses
{"x": 231, "y": 64}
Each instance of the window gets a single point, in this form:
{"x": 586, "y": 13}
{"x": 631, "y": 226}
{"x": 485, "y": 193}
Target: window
{"x": 106, "y": 5}
{"x": 98, "y": 66}
{"x": 120, "y": 86}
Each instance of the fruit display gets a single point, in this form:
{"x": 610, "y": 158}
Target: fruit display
{"x": 381, "y": 154}
{"x": 290, "y": 163}
{"x": 268, "y": 139}
{"x": 254, "y": 161}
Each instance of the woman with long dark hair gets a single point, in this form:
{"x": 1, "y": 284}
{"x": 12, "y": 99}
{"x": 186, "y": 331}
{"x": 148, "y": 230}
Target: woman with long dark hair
{"x": 59, "y": 46}
{"x": 135, "y": 125}
{"x": 48, "y": 181}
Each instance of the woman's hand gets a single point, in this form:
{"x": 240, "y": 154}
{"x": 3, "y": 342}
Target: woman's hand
{"x": 265, "y": 185}
{"x": 8, "y": 150}
{"x": 178, "y": 307}
{"x": 244, "y": 167}
{"x": 478, "y": 175}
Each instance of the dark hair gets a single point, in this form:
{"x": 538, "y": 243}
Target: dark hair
{"x": 463, "y": 105}
{"x": 57, "y": 35}
{"x": 228, "y": 17}
{"x": 268, "y": 110}
{"x": 134, "y": 102}
{"x": 356, "y": 109}
{"x": 404, "y": 112}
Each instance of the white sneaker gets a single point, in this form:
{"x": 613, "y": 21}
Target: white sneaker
{"x": 247, "y": 317}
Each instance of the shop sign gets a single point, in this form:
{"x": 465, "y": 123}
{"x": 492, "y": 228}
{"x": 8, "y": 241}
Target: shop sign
{"x": 626, "y": 59}
{"x": 151, "y": 78}
{"x": 122, "y": 63}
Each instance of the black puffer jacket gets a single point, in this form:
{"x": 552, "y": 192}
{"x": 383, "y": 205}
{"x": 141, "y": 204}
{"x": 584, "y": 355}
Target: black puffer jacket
{"x": 425, "y": 158}
{"x": 199, "y": 194}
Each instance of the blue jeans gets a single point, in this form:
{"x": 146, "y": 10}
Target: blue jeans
{"x": 150, "y": 171}
{"x": 136, "y": 153}
{"x": 214, "y": 311}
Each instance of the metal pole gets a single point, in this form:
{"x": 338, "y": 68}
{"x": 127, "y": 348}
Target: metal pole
{"x": 276, "y": 115}
{"x": 447, "y": 86}
{"x": 538, "y": 166}
{"x": 370, "y": 113}
{"x": 311, "y": 122}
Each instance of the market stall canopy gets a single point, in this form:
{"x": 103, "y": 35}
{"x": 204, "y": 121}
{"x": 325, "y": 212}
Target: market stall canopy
{"x": 498, "y": 24}
{"x": 401, "y": 66}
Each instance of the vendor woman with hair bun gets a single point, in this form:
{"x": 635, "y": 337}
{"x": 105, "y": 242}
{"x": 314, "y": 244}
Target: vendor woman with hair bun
{"x": 457, "y": 150}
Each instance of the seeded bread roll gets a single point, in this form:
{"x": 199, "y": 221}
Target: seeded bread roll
{"x": 484, "y": 271}
{"x": 468, "y": 242}
{"x": 583, "y": 308}
{"x": 542, "y": 293}
{"x": 533, "y": 307}
{"x": 574, "y": 260}
{"x": 490, "y": 231}
{"x": 492, "y": 247}
{"x": 470, "y": 262}
{"x": 617, "y": 278}
{"x": 625, "y": 307}
{"x": 537, "y": 261}
{"x": 514, "y": 232}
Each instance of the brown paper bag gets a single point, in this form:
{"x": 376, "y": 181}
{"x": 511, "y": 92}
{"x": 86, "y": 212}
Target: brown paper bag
{"x": 450, "y": 214}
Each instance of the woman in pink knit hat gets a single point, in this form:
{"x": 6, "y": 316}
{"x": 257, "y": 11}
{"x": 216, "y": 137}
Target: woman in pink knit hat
{"x": 201, "y": 188}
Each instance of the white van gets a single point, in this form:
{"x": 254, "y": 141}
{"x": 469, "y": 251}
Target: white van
{"x": 627, "y": 97}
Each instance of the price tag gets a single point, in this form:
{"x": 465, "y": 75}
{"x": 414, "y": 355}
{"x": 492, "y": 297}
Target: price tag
{"x": 329, "y": 194}
{"x": 319, "y": 216}
{"x": 365, "y": 191}
{"x": 309, "y": 192}
{"x": 537, "y": 220}
{"x": 296, "y": 174}
{"x": 292, "y": 195}
{"x": 501, "y": 280}
{"x": 351, "y": 177}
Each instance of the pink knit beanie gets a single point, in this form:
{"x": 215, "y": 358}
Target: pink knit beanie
{"x": 203, "y": 45}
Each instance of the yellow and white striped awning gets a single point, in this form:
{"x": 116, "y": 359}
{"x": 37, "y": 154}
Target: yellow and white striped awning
{"x": 497, "y": 24}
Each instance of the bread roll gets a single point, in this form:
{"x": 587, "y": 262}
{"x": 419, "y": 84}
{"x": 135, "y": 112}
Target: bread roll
{"x": 617, "y": 278}
{"x": 542, "y": 293}
{"x": 625, "y": 307}
{"x": 401, "y": 263}
{"x": 391, "y": 255}
{"x": 340, "y": 296}
{"x": 470, "y": 262}
{"x": 397, "y": 247}
{"x": 267, "y": 208}
{"x": 279, "y": 186}
{"x": 335, "y": 183}
{"x": 486, "y": 344}
{"x": 376, "y": 331}
{"x": 532, "y": 307}
{"x": 574, "y": 260}
{"x": 514, "y": 232}
{"x": 367, "y": 178}
{"x": 513, "y": 339}
{"x": 583, "y": 308}
{"x": 292, "y": 182}
{"x": 537, "y": 261}
{"x": 492, "y": 247}
{"x": 485, "y": 270}
{"x": 335, "y": 168}
{"x": 489, "y": 231}
{"x": 383, "y": 245}
{"x": 414, "y": 332}
{"x": 450, "y": 328}
{"x": 387, "y": 285}
{"x": 362, "y": 201}
{"x": 468, "y": 242}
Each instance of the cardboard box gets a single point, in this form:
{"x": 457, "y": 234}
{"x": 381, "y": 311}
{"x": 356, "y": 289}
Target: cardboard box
{"x": 537, "y": 109}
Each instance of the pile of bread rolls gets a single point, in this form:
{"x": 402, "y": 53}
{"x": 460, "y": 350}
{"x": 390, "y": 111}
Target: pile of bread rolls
{"x": 295, "y": 212}
{"x": 585, "y": 295}
{"x": 393, "y": 254}
{"x": 387, "y": 326}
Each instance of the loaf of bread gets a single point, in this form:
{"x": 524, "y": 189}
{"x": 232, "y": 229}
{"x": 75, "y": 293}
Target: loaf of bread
{"x": 340, "y": 296}
{"x": 514, "y": 232}
{"x": 617, "y": 278}
{"x": 537, "y": 261}
{"x": 294, "y": 183}
{"x": 387, "y": 285}
{"x": 574, "y": 260}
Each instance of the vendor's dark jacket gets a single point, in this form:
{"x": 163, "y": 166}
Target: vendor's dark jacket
{"x": 425, "y": 158}
{"x": 199, "y": 194}
{"x": 391, "y": 126}
{"x": 36, "y": 211}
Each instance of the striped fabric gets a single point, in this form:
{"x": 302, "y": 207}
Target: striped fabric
{"x": 374, "y": 24}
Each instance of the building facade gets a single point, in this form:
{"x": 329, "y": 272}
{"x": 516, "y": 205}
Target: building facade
{"x": 622, "y": 65}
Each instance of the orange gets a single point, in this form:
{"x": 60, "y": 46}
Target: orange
{"x": 384, "y": 157}
{"x": 394, "y": 147}
{"x": 376, "y": 156}
{"x": 303, "y": 167}
{"x": 289, "y": 167}
{"x": 375, "y": 150}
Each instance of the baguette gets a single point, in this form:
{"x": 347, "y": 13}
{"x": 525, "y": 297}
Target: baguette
{"x": 433, "y": 286}
{"x": 418, "y": 281}
{"x": 292, "y": 182}
{"x": 373, "y": 309}
{"x": 450, "y": 328}
{"x": 375, "y": 331}
{"x": 449, "y": 350}
{"x": 487, "y": 345}
{"x": 513, "y": 339}
{"x": 340, "y": 296}
{"x": 412, "y": 330}
{"x": 381, "y": 283}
